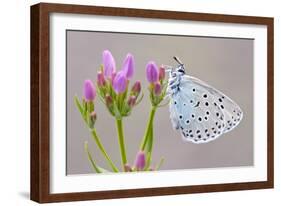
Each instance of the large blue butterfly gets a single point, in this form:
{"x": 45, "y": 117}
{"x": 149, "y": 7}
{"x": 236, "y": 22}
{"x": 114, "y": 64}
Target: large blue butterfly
{"x": 200, "y": 112}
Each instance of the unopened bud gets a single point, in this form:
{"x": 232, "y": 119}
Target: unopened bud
{"x": 132, "y": 101}
{"x": 127, "y": 168}
{"x": 140, "y": 160}
{"x": 101, "y": 79}
{"x": 108, "y": 100}
{"x": 92, "y": 119}
{"x": 161, "y": 73}
{"x": 136, "y": 88}
{"x": 157, "y": 89}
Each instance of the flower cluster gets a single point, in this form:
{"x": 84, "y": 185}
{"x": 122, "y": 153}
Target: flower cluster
{"x": 157, "y": 85}
{"x": 87, "y": 107}
{"x": 119, "y": 98}
{"x": 113, "y": 86}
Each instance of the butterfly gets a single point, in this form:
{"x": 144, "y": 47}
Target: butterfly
{"x": 200, "y": 112}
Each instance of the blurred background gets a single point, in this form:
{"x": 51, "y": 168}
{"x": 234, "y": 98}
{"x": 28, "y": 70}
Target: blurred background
{"x": 224, "y": 63}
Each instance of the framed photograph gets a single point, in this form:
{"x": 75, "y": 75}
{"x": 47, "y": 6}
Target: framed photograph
{"x": 131, "y": 102}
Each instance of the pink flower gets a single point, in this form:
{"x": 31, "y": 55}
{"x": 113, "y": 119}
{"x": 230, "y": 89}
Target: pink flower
{"x": 108, "y": 63}
{"x": 120, "y": 82}
{"x": 101, "y": 79}
{"x": 89, "y": 90}
{"x": 129, "y": 66}
{"x": 132, "y": 101}
{"x": 161, "y": 73}
{"x": 140, "y": 160}
{"x": 152, "y": 73}
{"x": 136, "y": 88}
{"x": 157, "y": 89}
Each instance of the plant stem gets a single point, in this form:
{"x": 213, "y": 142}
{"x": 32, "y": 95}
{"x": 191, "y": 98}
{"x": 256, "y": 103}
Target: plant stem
{"x": 149, "y": 146}
{"x": 148, "y": 128}
{"x": 119, "y": 125}
{"x": 102, "y": 149}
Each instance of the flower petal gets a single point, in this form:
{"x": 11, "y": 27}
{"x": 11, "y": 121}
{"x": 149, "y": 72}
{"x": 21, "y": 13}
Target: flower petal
{"x": 120, "y": 82}
{"x": 89, "y": 90}
{"x": 108, "y": 63}
{"x": 129, "y": 66}
{"x": 152, "y": 73}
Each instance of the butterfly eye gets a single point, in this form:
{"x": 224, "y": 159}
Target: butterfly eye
{"x": 181, "y": 70}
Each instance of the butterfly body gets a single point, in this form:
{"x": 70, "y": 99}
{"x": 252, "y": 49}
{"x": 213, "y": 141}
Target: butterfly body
{"x": 200, "y": 112}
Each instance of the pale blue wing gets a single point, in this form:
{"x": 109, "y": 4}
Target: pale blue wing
{"x": 231, "y": 110}
{"x": 201, "y": 112}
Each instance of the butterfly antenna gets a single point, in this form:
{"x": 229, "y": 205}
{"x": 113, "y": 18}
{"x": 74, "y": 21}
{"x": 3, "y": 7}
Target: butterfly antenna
{"x": 178, "y": 60}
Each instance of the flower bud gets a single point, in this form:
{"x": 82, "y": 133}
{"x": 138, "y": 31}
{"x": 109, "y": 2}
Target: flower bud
{"x": 101, "y": 79}
{"x": 152, "y": 73}
{"x": 157, "y": 89}
{"x": 108, "y": 100}
{"x": 161, "y": 73}
{"x": 93, "y": 116}
{"x": 92, "y": 119}
{"x": 89, "y": 91}
{"x": 108, "y": 63}
{"x": 120, "y": 82}
{"x": 129, "y": 66}
{"x": 136, "y": 88}
{"x": 140, "y": 160}
{"x": 127, "y": 168}
{"x": 132, "y": 101}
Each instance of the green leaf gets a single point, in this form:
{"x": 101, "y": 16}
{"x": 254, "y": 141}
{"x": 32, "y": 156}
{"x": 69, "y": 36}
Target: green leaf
{"x": 93, "y": 164}
{"x": 159, "y": 164}
{"x": 78, "y": 105}
{"x": 103, "y": 170}
{"x": 139, "y": 99}
{"x": 99, "y": 144}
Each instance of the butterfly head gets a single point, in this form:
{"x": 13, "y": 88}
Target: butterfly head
{"x": 176, "y": 74}
{"x": 178, "y": 70}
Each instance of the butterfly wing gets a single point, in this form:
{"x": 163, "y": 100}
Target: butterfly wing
{"x": 201, "y": 112}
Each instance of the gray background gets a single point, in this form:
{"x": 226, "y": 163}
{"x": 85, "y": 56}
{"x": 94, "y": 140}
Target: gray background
{"x": 226, "y": 64}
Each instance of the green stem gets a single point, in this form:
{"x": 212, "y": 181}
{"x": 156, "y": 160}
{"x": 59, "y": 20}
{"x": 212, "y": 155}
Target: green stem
{"x": 148, "y": 128}
{"x": 149, "y": 148}
{"x": 119, "y": 125}
{"x": 102, "y": 149}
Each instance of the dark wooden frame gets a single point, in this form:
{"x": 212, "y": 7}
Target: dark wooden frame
{"x": 40, "y": 108}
